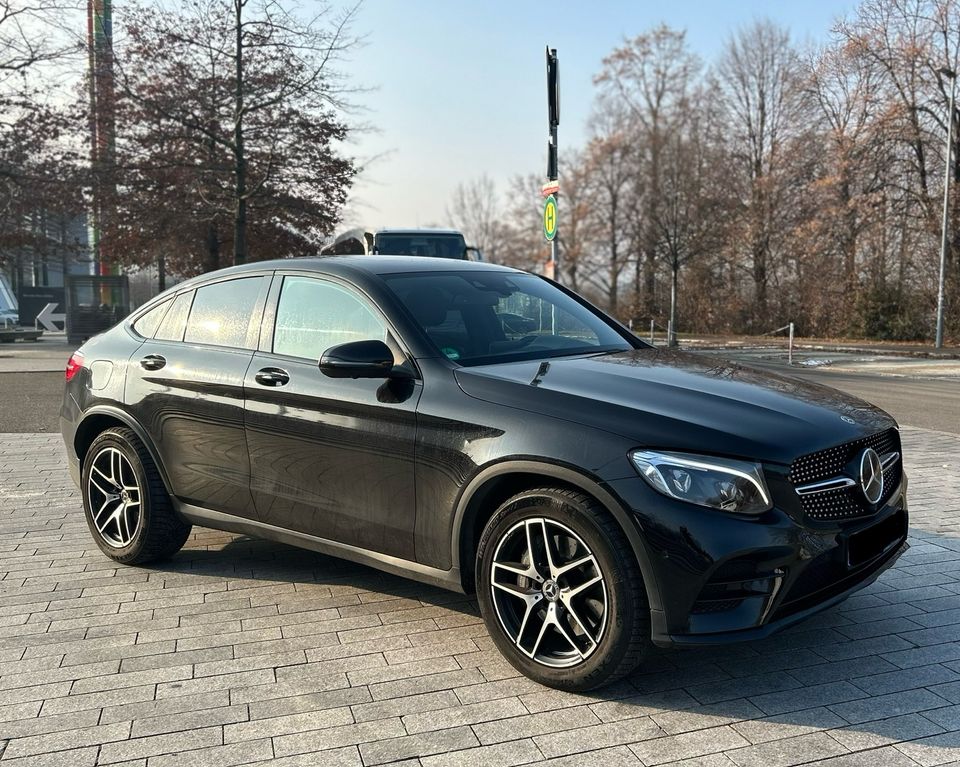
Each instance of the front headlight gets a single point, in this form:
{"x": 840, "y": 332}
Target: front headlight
{"x": 719, "y": 483}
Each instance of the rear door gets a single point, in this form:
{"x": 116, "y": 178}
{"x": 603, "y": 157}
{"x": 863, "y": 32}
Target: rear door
{"x": 333, "y": 458}
{"x": 185, "y": 387}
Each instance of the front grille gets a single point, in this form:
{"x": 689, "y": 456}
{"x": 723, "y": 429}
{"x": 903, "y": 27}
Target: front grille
{"x": 848, "y": 502}
{"x": 702, "y": 607}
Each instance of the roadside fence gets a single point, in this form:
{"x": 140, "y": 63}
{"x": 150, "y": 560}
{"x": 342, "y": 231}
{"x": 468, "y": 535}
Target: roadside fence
{"x": 789, "y": 328}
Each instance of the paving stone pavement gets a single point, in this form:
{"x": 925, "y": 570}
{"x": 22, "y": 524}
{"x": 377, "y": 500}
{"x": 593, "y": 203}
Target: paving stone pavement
{"x": 240, "y": 652}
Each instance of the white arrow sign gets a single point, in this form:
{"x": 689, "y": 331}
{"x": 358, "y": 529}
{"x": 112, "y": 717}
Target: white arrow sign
{"x": 46, "y": 317}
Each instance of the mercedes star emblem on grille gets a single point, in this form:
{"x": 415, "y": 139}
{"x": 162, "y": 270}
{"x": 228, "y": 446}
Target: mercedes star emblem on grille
{"x": 871, "y": 475}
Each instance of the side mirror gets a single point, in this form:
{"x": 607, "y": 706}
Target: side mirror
{"x": 357, "y": 359}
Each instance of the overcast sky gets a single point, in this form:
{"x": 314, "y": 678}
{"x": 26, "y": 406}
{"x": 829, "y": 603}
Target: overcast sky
{"x": 460, "y": 86}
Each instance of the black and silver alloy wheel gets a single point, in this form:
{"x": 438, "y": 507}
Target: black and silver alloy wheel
{"x": 125, "y": 502}
{"x": 115, "y": 497}
{"x": 560, "y": 589}
{"x": 549, "y": 592}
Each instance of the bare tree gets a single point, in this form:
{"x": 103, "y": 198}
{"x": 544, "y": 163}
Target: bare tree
{"x": 801, "y": 187}
{"x": 854, "y": 153}
{"x": 759, "y": 80}
{"x": 647, "y": 80}
{"x": 611, "y": 176}
{"x": 906, "y": 43}
{"x": 475, "y": 210}
{"x": 39, "y": 171}
{"x": 579, "y": 222}
{"x": 523, "y": 245}
{"x": 689, "y": 218}
{"x": 25, "y": 36}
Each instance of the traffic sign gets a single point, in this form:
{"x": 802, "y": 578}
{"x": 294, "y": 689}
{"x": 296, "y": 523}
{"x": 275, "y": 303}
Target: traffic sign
{"x": 47, "y": 317}
{"x": 550, "y": 218}
{"x": 551, "y": 187}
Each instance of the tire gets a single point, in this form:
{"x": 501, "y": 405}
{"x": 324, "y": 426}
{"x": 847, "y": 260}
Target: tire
{"x": 125, "y": 503}
{"x": 578, "y": 633}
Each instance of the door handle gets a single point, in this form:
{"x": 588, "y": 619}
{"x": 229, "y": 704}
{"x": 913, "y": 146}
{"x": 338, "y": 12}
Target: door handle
{"x": 271, "y": 377}
{"x": 153, "y": 362}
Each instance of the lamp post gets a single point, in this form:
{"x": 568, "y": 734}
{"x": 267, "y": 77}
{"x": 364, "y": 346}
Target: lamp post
{"x": 944, "y": 239}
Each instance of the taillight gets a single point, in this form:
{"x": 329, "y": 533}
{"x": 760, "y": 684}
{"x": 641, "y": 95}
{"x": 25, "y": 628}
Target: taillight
{"x": 73, "y": 365}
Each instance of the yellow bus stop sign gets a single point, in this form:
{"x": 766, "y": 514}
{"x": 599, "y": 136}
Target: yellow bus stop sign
{"x": 550, "y": 218}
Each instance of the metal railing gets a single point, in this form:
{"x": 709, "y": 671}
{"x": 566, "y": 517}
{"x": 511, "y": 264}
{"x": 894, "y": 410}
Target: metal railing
{"x": 789, "y": 328}
{"x": 668, "y": 333}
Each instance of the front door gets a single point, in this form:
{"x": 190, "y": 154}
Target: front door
{"x": 333, "y": 458}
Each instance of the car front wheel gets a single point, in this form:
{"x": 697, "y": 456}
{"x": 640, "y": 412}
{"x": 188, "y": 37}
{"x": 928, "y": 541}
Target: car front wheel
{"x": 560, "y": 590}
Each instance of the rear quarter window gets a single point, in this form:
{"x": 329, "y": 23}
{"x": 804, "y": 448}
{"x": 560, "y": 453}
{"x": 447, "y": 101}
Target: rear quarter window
{"x": 171, "y": 328}
{"x": 146, "y": 325}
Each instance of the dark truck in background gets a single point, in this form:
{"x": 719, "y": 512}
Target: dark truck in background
{"x": 432, "y": 243}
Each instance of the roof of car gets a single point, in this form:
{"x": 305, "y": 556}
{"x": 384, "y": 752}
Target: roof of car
{"x": 346, "y": 265}
{"x": 421, "y": 230}
{"x": 387, "y": 264}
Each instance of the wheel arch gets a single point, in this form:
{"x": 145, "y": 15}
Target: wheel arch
{"x": 495, "y": 484}
{"x": 98, "y": 419}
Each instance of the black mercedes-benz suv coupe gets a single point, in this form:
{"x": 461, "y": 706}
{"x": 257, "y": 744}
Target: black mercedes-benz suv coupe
{"x": 486, "y": 430}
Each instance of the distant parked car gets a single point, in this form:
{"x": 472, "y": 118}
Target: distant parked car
{"x": 484, "y": 429}
{"x": 430, "y": 243}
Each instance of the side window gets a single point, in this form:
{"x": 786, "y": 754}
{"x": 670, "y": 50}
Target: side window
{"x": 171, "y": 329}
{"x": 313, "y": 315}
{"x": 147, "y": 325}
{"x": 221, "y": 313}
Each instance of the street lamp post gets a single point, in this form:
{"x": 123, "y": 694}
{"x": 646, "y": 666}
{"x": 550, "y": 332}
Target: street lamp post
{"x": 944, "y": 239}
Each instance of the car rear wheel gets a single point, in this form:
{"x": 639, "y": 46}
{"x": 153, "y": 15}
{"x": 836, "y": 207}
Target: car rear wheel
{"x": 560, "y": 590}
{"x": 125, "y": 503}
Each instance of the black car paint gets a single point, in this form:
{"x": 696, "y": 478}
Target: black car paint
{"x": 192, "y": 408}
{"x": 334, "y": 457}
{"x": 680, "y": 401}
{"x": 410, "y": 462}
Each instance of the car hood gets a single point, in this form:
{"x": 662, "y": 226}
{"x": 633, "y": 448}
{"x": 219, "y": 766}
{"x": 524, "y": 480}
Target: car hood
{"x": 667, "y": 399}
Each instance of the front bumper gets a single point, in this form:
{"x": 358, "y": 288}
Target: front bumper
{"x": 723, "y": 577}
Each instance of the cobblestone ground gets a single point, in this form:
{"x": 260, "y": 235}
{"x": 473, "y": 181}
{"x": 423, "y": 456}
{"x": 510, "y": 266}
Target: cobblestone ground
{"x": 242, "y": 652}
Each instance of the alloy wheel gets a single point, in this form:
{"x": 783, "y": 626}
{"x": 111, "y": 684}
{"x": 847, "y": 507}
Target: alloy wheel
{"x": 115, "y": 497}
{"x": 549, "y": 592}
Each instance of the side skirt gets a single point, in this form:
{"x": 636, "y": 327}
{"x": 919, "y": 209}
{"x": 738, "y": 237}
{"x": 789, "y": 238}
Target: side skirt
{"x": 197, "y": 515}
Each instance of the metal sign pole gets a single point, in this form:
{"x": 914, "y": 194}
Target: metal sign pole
{"x": 555, "y": 242}
{"x": 945, "y": 233}
{"x": 553, "y": 115}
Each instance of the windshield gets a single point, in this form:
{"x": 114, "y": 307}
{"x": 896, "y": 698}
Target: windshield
{"x": 413, "y": 244}
{"x": 483, "y": 318}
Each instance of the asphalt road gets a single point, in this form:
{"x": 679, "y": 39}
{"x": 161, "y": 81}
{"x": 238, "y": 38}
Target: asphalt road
{"x": 927, "y": 403}
{"x": 30, "y": 402}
